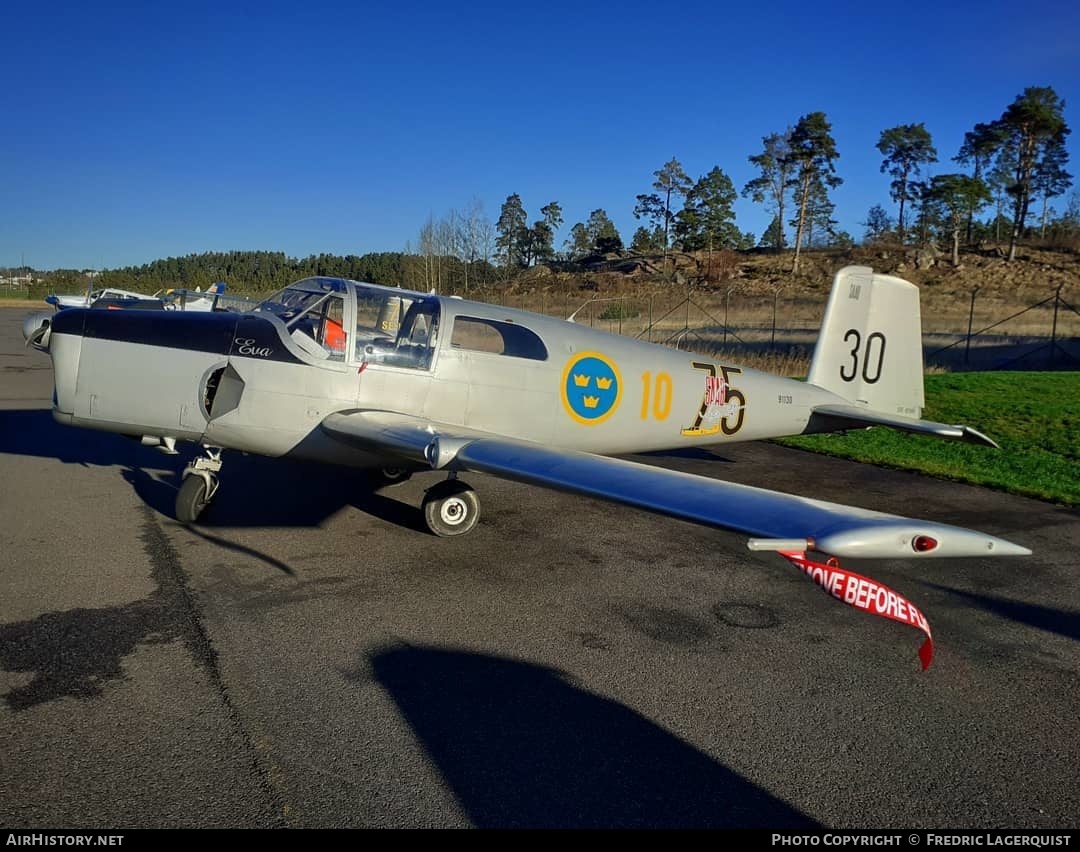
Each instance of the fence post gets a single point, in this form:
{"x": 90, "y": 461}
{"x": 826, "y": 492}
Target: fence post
{"x": 686, "y": 325}
{"x": 971, "y": 317}
{"x": 651, "y": 297}
{"x": 1053, "y": 327}
{"x": 727, "y": 302}
{"x": 775, "y": 298}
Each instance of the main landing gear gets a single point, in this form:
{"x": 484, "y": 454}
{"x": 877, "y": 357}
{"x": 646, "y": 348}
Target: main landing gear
{"x": 200, "y": 484}
{"x": 386, "y": 477}
{"x": 451, "y": 508}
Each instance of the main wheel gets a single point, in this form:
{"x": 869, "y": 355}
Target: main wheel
{"x": 384, "y": 477}
{"x": 191, "y": 499}
{"x": 451, "y": 508}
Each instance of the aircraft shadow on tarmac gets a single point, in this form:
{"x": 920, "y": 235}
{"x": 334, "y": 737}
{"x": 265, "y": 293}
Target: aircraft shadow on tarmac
{"x": 255, "y": 491}
{"x": 1060, "y": 621}
{"x": 522, "y": 746}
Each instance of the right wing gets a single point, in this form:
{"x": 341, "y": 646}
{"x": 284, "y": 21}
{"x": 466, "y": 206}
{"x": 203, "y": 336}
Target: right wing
{"x": 774, "y": 520}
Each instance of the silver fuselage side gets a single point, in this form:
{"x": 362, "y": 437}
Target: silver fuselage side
{"x": 243, "y": 382}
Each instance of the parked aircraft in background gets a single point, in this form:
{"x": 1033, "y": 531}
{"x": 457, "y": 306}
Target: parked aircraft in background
{"x": 85, "y": 300}
{"x": 173, "y": 299}
{"x": 181, "y": 299}
{"x": 357, "y": 374}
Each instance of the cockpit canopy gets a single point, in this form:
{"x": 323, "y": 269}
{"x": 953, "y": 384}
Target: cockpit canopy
{"x": 341, "y": 320}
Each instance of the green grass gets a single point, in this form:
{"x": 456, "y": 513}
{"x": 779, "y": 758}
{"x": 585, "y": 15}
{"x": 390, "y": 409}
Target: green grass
{"x": 1035, "y": 417}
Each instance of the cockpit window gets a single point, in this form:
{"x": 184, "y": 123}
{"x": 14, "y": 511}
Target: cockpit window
{"x": 495, "y": 336}
{"x": 399, "y": 331}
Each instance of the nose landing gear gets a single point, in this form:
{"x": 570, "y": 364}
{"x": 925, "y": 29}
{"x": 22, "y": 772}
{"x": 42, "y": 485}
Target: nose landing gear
{"x": 200, "y": 484}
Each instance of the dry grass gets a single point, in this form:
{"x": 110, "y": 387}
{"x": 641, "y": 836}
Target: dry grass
{"x": 793, "y": 364}
{"x": 1006, "y": 295}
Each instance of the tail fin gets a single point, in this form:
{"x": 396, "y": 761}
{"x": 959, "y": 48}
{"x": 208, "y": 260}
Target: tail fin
{"x": 869, "y": 350}
{"x": 216, "y": 287}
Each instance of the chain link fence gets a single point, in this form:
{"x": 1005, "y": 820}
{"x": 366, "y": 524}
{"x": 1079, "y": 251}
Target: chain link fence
{"x": 960, "y": 332}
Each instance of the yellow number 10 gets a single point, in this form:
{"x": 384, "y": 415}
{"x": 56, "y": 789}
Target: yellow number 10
{"x": 661, "y": 396}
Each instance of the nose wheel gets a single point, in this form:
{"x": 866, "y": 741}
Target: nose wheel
{"x": 198, "y": 488}
{"x": 451, "y": 508}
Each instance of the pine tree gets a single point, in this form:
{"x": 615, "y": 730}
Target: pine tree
{"x": 513, "y": 236}
{"x": 707, "y": 221}
{"x": 1030, "y": 125}
{"x": 907, "y": 148}
{"x": 813, "y": 151}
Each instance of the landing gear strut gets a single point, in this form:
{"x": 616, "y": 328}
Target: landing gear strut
{"x": 451, "y": 508}
{"x": 199, "y": 486}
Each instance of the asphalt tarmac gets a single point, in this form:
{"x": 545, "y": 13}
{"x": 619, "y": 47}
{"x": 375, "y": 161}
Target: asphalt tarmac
{"x": 310, "y": 656}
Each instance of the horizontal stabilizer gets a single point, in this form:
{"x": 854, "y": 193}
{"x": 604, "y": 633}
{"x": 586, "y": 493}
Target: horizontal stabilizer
{"x": 836, "y": 418}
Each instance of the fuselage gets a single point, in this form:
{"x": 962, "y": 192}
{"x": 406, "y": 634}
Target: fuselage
{"x": 263, "y": 381}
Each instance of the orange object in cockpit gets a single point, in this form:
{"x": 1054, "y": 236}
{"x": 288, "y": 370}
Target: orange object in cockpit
{"x": 333, "y": 335}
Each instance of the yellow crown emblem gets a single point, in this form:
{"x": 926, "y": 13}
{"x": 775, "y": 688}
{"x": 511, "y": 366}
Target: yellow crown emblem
{"x": 591, "y": 401}
{"x": 603, "y": 384}
{"x": 581, "y": 381}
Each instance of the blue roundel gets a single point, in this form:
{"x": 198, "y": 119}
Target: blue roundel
{"x": 591, "y": 388}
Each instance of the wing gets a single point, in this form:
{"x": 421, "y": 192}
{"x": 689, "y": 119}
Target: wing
{"x": 774, "y": 520}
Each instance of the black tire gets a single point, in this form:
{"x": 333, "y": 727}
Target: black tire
{"x": 191, "y": 499}
{"x": 385, "y": 477}
{"x": 451, "y": 508}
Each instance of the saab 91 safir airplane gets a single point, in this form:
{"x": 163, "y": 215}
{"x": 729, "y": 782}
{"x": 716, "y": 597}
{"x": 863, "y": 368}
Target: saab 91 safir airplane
{"x": 358, "y": 374}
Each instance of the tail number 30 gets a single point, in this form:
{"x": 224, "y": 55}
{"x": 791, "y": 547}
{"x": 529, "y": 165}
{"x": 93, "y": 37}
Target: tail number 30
{"x": 872, "y": 355}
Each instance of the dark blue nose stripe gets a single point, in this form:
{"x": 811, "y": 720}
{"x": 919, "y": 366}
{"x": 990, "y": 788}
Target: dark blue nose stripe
{"x": 216, "y": 332}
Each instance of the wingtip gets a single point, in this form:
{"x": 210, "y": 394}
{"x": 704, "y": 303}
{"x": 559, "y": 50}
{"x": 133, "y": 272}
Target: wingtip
{"x": 974, "y": 436}
{"x": 1000, "y": 547}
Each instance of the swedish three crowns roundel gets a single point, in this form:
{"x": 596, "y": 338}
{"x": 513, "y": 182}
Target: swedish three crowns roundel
{"x": 591, "y": 388}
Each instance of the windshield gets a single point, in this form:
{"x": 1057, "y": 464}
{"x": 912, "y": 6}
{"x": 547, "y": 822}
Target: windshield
{"x": 313, "y": 310}
{"x": 293, "y": 302}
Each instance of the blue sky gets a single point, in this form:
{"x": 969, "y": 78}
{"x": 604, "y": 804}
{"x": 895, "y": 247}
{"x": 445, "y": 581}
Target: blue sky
{"x": 139, "y": 131}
